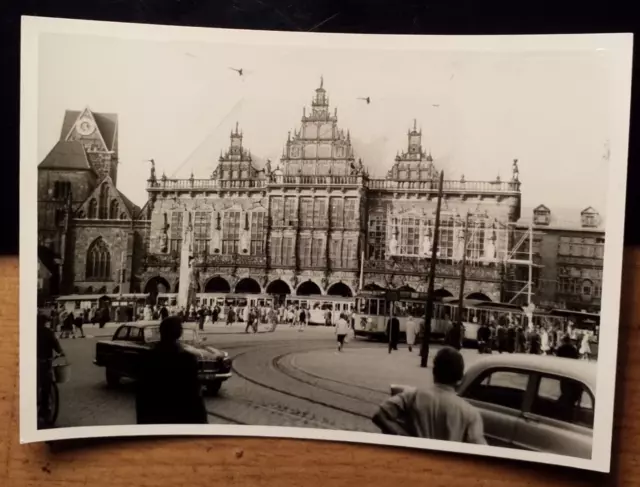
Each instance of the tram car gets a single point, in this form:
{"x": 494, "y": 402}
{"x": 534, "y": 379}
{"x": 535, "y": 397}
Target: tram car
{"x": 319, "y": 305}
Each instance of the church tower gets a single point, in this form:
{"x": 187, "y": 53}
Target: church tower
{"x": 98, "y": 133}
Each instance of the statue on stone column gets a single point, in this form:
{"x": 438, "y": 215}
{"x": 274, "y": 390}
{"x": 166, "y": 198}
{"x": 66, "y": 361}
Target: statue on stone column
{"x": 516, "y": 171}
{"x": 152, "y": 175}
{"x": 458, "y": 243}
{"x": 490, "y": 244}
{"x": 188, "y": 236}
{"x": 267, "y": 168}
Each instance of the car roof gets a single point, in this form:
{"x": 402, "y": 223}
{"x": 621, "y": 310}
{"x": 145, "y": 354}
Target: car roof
{"x": 579, "y": 370}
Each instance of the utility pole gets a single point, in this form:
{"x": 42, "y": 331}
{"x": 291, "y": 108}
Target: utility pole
{"x": 426, "y": 335}
{"x": 530, "y": 284}
{"x": 463, "y": 267}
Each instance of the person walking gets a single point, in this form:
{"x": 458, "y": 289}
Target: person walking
{"x": 437, "y": 413}
{"x": 47, "y": 348}
{"x": 168, "y": 390}
{"x": 455, "y": 335}
{"x": 247, "y": 317}
{"x": 302, "y": 318}
{"x": 342, "y": 329}
{"x": 585, "y": 348}
{"x": 411, "y": 331}
{"x": 567, "y": 349}
{"x": 393, "y": 330}
{"x": 78, "y": 322}
{"x": 544, "y": 341}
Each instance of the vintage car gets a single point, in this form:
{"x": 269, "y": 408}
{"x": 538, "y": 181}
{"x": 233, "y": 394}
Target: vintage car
{"x": 121, "y": 355}
{"x": 533, "y": 402}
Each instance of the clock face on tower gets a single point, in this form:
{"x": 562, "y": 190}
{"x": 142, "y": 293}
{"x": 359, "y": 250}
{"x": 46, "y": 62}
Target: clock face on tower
{"x": 85, "y": 126}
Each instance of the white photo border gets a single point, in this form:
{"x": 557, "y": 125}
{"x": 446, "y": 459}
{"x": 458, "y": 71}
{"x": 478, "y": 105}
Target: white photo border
{"x": 618, "y": 47}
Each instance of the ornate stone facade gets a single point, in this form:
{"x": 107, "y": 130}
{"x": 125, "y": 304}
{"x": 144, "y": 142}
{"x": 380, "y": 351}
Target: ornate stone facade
{"x": 302, "y": 227}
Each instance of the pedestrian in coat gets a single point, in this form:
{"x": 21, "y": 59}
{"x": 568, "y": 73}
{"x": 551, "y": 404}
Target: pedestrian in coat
{"x": 411, "y": 331}
{"x": 393, "y": 332}
{"x": 168, "y": 390}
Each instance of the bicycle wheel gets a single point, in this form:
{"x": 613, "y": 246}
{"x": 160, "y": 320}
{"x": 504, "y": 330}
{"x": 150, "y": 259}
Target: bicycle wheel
{"x": 54, "y": 405}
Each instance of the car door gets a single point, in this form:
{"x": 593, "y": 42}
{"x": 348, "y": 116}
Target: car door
{"x": 499, "y": 394}
{"x": 559, "y": 418}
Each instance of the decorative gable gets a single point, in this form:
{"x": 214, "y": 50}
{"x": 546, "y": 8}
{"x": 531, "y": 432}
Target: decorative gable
{"x": 106, "y": 203}
{"x": 85, "y": 130}
{"x": 589, "y": 217}
{"x": 541, "y": 215}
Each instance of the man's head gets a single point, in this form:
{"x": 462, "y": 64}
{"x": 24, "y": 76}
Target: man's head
{"x": 171, "y": 329}
{"x": 448, "y": 367}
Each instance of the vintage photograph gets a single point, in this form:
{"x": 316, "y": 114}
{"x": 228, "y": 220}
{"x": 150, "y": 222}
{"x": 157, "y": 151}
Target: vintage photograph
{"x": 396, "y": 240}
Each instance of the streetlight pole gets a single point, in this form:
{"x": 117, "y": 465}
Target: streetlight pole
{"x": 426, "y": 335}
{"x": 463, "y": 267}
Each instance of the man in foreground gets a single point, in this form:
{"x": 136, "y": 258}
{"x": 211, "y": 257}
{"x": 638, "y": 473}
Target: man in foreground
{"x": 437, "y": 413}
{"x": 168, "y": 390}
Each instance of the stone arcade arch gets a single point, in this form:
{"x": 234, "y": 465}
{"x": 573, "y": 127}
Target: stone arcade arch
{"x": 340, "y": 289}
{"x": 278, "y": 287}
{"x": 373, "y": 287}
{"x": 308, "y": 288}
{"x": 217, "y": 284}
{"x": 248, "y": 286}
{"x": 156, "y": 285}
{"x": 442, "y": 293}
{"x": 406, "y": 288}
{"x": 479, "y": 296}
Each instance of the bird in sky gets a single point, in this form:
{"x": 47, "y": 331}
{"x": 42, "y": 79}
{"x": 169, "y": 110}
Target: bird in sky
{"x": 367, "y": 99}
{"x": 239, "y": 71}
{"x": 435, "y": 105}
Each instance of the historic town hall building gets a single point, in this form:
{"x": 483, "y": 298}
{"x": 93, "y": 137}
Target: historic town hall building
{"x": 299, "y": 226}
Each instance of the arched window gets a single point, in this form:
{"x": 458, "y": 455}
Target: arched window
{"x": 93, "y": 209}
{"x": 98, "y": 261}
{"x": 123, "y": 216}
{"x": 103, "y": 206}
{"x": 113, "y": 210}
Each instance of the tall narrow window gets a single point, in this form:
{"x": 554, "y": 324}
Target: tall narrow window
{"x": 287, "y": 251}
{"x": 350, "y": 218}
{"x": 445, "y": 246}
{"x": 104, "y": 202}
{"x": 277, "y": 211}
{"x": 93, "y": 209}
{"x": 257, "y": 233}
{"x": 337, "y": 213}
{"x": 475, "y": 241}
{"x": 318, "y": 252}
{"x": 306, "y": 212}
{"x": 290, "y": 210}
{"x": 304, "y": 250}
{"x": 113, "y": 210}
{"x": 276, "y": 250}
{"x": 377, "y": 237}
{"x": 175, "y": 234}
{"x": 320, "y": 212}
{"x": 201, "y": 232}
{"x": 230, "y": 232}
{"x": 98, "y": 261}
{"x": 349, "y": 250}
{"x": 409, "y": 236}
{"x": 334, "y": 252}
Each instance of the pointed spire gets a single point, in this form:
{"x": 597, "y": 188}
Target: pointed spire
{"x": 304, "y": 111}
{"x": 321, "y": 82}
{"x": 414, "y": 124}
{"x": 289, "y": 136}
{"x": 348, "y": 134}
{"x": 236, "y": 127}
{"x": 335, "y": 112}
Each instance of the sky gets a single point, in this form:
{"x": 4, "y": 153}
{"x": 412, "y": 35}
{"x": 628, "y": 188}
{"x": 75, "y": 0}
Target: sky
{"x": 178, "y": 101}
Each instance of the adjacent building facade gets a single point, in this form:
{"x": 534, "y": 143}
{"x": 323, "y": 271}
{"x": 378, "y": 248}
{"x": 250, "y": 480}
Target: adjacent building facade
{"x": 569, "y": 246}
{"x": 314, "y": 223}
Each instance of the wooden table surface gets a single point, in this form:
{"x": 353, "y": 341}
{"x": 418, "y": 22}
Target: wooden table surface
{"x": 280, "y": 463}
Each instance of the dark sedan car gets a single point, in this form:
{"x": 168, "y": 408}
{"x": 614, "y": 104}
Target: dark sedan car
{"x": 121, "y": 355}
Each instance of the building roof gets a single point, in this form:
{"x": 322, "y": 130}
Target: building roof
{"x": 131, "y": 206}
{"x": 66, "y": 155}
{"x": 562, "y": 219}
{"x": 107, "y": 125}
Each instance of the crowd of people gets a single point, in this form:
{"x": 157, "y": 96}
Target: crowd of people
{"x": 500, "y": 336}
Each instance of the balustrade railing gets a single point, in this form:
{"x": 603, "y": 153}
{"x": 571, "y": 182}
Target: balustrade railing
{"x": 456, "y": 186}
{"x": 421, "y": 266}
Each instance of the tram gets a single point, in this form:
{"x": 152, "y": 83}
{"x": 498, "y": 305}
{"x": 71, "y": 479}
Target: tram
{"x": 220, "y": 299}
{"x": 318, "y": 305}
{"x": 373, "y": 310}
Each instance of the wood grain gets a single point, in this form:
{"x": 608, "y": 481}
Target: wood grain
{"x": 281, "y": 463}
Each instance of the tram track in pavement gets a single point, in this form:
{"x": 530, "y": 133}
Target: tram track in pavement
{"x": 289, "y": 393}
{"x": 300, "y": 418}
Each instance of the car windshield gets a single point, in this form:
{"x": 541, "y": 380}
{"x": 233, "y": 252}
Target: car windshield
{"x": 152, "y": 334}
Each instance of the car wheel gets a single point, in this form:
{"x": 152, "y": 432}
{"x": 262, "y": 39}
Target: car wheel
{"x": 113, "y": 379}
{"x": 212, "y": 388}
